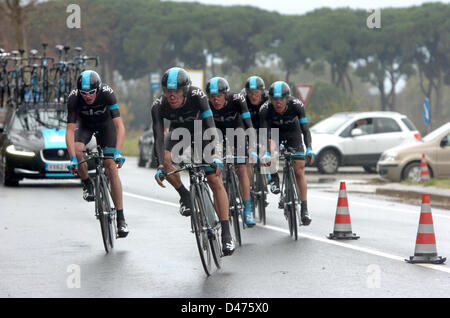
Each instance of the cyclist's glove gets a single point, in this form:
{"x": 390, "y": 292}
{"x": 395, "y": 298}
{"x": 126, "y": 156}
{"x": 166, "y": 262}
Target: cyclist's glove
{"x": 117, "y": 155}
{"x": 73, "y": 164}
{"x": 310, "y": 154}
{"x": 118, "y": 158}
{"x": 160, "y": 173}
{"x": 217, "y": 163}
{"x": 254, "y": 155}
{"x": 266, "y": 158}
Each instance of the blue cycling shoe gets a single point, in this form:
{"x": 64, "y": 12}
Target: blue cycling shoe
{"x": 248, "y": 214}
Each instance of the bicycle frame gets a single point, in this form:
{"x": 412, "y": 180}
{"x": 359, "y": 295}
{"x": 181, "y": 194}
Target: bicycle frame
{"x": 105, "y": 212}
{"x": 289, "y": 194}
{"x": 204, "y": 221}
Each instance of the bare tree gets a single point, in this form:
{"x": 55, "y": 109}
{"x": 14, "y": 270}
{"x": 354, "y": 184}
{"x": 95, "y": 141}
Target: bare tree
{"x": 16, "y": 11}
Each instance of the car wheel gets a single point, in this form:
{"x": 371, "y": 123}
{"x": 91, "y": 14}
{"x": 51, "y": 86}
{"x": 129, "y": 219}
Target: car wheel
{"x": 412, "y": 171}
{"x": 328, "y": 162}
{"x": 370, "y": 169}
{"x": 10, "y": 181}
{"x": 153, "y": 164}
{"x": 141, "y": 161}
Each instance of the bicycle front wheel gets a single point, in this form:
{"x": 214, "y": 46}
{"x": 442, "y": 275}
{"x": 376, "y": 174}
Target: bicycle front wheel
{"x": 198, "y": 223}
{"x": 235, "y": 205}
{"x": 103, "y": 215}
{"x": 291, "y": 186}
{"x": 213, "y": 226}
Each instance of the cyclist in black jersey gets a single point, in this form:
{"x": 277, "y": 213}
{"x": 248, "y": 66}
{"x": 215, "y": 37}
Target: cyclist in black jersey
{"x": 287, "y": 114}
{"x": 255, "y": 95}
{"x": 92, "y": 107}
{"x": 232, "y": 117}
{"x": 187, "y": 109}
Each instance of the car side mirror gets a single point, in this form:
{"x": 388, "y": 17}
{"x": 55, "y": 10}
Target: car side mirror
{"x": 356, "y": 132}
{"x": 444, "y": 142}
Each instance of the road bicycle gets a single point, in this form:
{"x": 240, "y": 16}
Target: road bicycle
{"x": 105, "y": 211}
{"x": 258, "y": 190}
{"x": 3, "y": 76}
{"x": 204, "y": 221}
{"x": 28, "y": 81}
{"x": 234, "y": 195}
{"x": 290, "y": 199}
{"x": 62, "y": 74}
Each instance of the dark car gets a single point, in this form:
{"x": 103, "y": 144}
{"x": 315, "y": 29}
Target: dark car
{"x": 32, "y": 144}
{"x": 146, "y": 151}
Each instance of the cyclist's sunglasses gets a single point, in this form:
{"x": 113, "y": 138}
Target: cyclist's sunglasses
{"x": 92, "y": 92}
{"x": 255, "y": 92}
{"x": 216, "y": 96}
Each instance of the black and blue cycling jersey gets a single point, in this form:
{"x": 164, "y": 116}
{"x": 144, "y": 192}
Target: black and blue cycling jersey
{"x": 95, "y": 117}
{"x": 291, "y": 125}
{"x": 195, "y": 109}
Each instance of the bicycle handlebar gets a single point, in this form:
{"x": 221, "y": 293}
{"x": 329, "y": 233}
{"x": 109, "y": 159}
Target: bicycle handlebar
{"x": 187, "y": 166}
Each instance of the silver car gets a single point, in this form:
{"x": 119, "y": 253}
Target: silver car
{"x": 359, "y": 138}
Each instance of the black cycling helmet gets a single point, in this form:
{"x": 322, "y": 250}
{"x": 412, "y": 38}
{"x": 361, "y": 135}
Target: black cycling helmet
{"x": 89, "y": 80}
{"x": 254, "y": 83}
{"x": 217, "y": 85}
{"x": 279, "y": 89}
{"x": 176, "y": 78}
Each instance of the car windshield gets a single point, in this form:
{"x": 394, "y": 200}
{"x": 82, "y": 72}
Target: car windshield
{"x": 329, "y": 125}
{"x": 436, "y": 133}
{"x": 40, "y": 119}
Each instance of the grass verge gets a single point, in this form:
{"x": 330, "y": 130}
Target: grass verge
{"x": 439, "y": 183}
{"x": 131, "y": 143}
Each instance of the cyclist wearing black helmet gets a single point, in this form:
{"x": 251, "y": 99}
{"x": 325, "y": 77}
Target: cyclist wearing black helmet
{"x": 255, "y": 95}
{"x": 230, "y": 112}
{"x": 186, "y": 107}
{"x": 287, "y": 113}
{"x": 93, "y": 107}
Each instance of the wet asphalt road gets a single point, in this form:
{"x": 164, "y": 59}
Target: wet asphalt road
{"x": 51, "y": 247}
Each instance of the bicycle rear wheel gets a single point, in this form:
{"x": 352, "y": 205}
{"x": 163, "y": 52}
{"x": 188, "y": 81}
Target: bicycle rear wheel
{"x": 261, "y": 196}
{"x": 198, "y": 224}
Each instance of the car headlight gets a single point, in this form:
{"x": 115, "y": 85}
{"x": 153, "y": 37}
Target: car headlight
{"x": 389, "y": 156}
{"x": 19, "y": 151}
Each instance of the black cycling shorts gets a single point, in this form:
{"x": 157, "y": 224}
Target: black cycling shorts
{"x": 106, "y": 133}
{"x": 293, "y": 143}
{"x": 175, "y": 147}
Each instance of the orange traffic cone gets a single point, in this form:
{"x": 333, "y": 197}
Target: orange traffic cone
{"x": 424, "y": 173}
{"x": 426, "y": 251}
{"x": 342, "y": 223}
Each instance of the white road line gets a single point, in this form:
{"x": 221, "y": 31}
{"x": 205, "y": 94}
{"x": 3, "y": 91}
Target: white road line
{"x": 137, "y": 196}
{"x": 357, "y": 248}
{"x": 351, "y": 202}
{"x": 312, "y": 237}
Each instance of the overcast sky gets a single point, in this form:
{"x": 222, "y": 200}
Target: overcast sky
{"x": 302, "y": 7}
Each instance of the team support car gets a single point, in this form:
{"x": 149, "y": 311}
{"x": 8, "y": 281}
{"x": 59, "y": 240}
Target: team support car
{"x": 359, "y": 138}
{"x": 32, "y": 144}
{"x": 403, "y": 162}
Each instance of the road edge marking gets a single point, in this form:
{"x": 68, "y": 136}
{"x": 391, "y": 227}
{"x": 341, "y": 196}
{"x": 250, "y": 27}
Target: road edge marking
{"x": 312, "y": 237}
